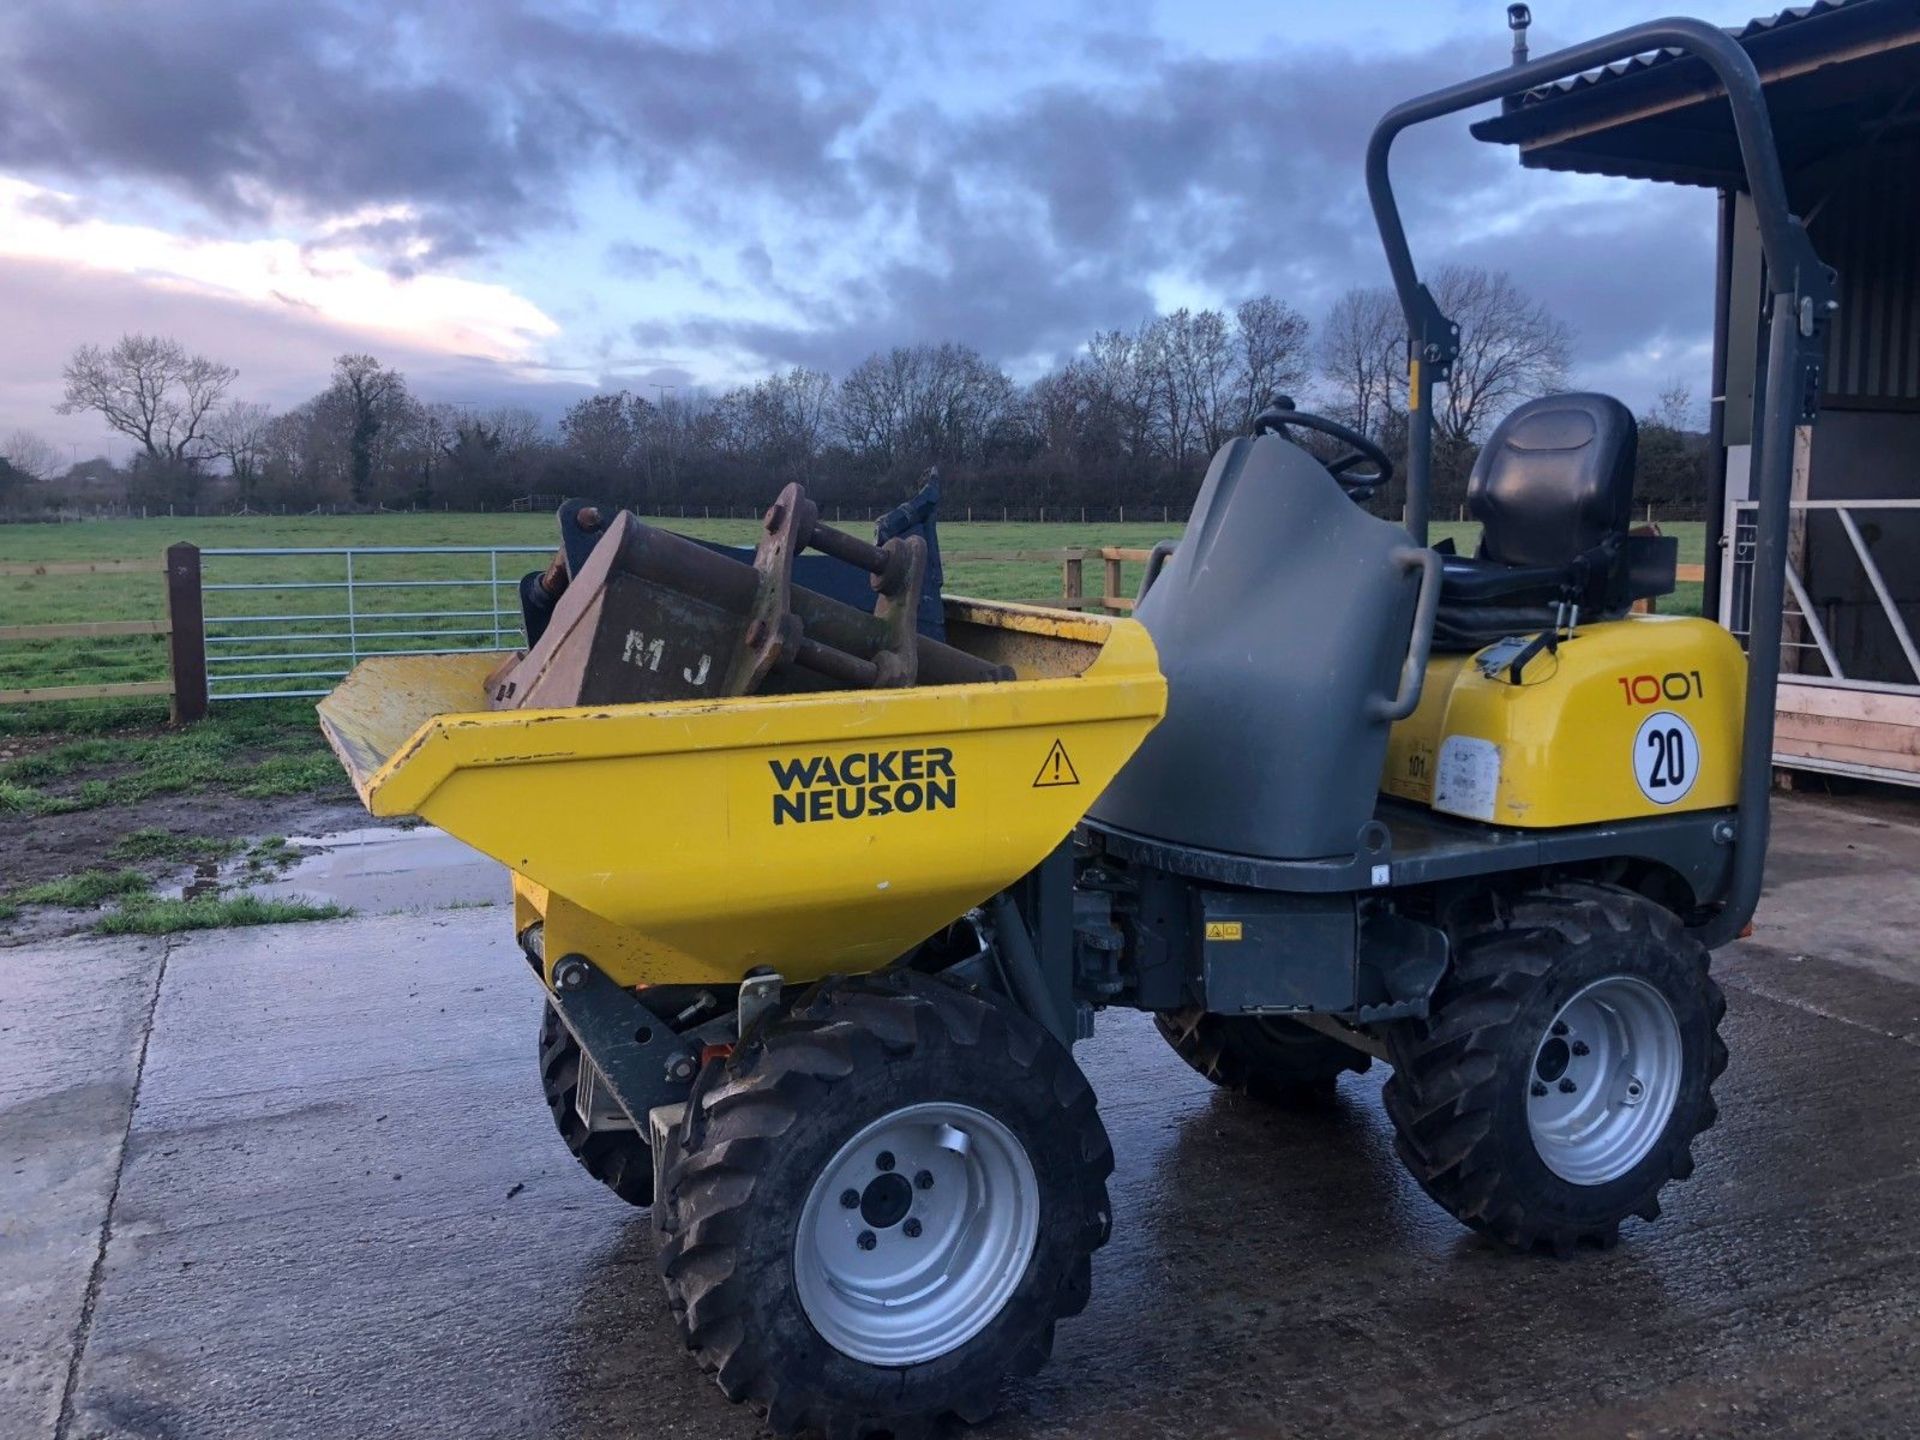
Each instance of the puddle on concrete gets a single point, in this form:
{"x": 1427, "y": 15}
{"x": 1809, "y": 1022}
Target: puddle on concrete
{"x": 374, "y": 870}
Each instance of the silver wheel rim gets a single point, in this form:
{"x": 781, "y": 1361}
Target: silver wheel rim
{"x": 916, "y": 1233}
{"x": 1604, "y": 1081}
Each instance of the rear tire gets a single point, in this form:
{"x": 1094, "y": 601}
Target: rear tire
{"x": 621, "y": 1160}
{"x": 1275, "y": 1060}
{"x": 772, "y": 1240}
{"x": 1529, "y": 1102}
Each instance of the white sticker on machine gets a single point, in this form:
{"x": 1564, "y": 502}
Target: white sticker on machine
{"x": 1467, "y": 779}
{"x": 1666, "y": 757}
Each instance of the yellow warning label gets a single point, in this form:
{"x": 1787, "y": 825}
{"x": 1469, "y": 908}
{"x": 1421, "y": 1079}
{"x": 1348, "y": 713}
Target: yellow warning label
{"x": 1225, "y": 930}
{"x": 1056, "y": 769}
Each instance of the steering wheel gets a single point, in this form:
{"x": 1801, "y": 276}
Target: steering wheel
{"x": 1280, "y": 414}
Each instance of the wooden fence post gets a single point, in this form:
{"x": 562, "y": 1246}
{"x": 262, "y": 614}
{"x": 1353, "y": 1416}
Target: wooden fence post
{"x": 187, "y": 636}
{"x": 1109, "y": 600}
{"x": 1070, "y": 579}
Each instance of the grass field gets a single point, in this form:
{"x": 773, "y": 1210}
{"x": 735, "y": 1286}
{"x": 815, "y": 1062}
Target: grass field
{"x": 470, "y": 602}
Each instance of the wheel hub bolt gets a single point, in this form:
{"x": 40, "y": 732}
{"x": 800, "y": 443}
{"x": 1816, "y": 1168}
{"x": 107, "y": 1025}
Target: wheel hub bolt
{"x": 1633, "y": 1090}
{"x": 866, "y": 1240}
{"x": 1567, "y": 1087}
{"x": 1580, "y": 1048}
{"x": 1539, "y": 1089}
{"x": 923, "y": 1180}
{"x": 884, "y": 1160}
{"x": 1559, "y": 1027}
{"x": 912, "y": 1228}
{"x": 850, "y": 1198}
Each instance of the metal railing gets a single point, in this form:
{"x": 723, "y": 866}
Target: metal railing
{"x": 1835, "y": 629}
{"x": 323, "y": 609}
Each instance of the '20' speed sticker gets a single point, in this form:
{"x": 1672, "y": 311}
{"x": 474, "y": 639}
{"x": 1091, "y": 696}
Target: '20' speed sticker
{"x": 1666, "y": 757}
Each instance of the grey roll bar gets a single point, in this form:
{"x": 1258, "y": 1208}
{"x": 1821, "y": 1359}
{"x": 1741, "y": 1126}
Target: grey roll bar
{"x": 1802, "y": 301}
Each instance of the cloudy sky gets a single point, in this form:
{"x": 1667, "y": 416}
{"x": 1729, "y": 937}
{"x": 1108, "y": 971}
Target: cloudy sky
{"x": 527, "y": 199}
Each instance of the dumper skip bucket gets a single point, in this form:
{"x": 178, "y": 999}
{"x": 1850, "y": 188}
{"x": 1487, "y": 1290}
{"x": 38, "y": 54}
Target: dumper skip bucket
{"x": 691, "y": 841}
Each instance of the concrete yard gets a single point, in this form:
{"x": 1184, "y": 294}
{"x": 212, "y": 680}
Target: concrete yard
{"x": 299, "y": 1182}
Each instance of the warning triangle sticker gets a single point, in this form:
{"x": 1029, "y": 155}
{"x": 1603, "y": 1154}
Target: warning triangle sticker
{"x": 1056, "y": 769}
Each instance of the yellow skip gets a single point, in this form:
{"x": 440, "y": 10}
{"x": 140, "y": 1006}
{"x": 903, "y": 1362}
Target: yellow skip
{"x": 690, "y": 842}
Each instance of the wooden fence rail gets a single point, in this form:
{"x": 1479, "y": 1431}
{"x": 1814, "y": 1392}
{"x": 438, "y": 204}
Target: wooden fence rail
{"x": 1112, "y": 598}
{"x": 183, "y": 628}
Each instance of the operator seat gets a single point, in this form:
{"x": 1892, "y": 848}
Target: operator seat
{"x": 1553, "y": 492}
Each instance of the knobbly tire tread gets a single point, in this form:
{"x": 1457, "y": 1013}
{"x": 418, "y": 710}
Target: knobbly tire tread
{"x": 1234, "y": 1053}
{"x": 1455, "y": 1108}
{"x": 728, "y": 1211}
{"x": 621, "y": 1160}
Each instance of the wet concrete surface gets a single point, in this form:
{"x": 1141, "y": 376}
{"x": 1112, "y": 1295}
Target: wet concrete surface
{"x": 373, "y": 870}
{"x": 339, "y": 1210}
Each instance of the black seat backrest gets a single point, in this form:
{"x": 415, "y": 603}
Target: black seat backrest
{"x": 1555, "y": 480}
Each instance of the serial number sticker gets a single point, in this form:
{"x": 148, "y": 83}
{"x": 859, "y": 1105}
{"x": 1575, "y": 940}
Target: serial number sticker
{"x": 1225, "y": 930}
{"x": 1467, "y": 779}
{"x": 1467, "y": 776}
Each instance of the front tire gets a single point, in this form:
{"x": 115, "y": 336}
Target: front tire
{"x": 880, "y": 1205}
{"x": 1564, "y": 1069}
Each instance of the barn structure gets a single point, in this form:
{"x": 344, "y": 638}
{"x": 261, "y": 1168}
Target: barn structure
{"x": 1842, "y": 82}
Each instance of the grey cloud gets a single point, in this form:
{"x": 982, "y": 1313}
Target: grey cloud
{"x": 1044, "y": 221}
{"x": 1623, "y": 270}
{"x": 61, "y": 209}
{"x": 474, "y": 114}
{"x": 767, "y": 128}
{"x": 644, "y": 262}
{"x": 283, "y": 354}
{"x": 991, "y": 294}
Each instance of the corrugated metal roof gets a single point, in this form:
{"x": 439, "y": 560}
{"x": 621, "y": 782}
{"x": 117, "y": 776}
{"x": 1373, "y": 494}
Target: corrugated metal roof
{"x": 1829, "y": 66}
{"x": 1763, "y": 25}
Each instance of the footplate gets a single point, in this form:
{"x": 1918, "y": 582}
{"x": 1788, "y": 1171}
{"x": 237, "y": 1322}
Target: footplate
{"x": 595, "y": 1104}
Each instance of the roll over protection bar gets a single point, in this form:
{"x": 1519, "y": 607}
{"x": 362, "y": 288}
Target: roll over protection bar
{"x": 1802, "y": 300}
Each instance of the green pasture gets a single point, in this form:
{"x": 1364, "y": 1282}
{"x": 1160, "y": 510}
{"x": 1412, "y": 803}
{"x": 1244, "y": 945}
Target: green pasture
{"x": 469, "y": 602}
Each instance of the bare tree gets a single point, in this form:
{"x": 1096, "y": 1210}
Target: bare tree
{"x": 808, "y": 411}
{"x": 1362, "y": 356}
{"x": 371, "y": 399}
{"x": 436, "y": 430}
{"x": 1270, "y": 338}
{"x": 1671, "y": 463}
{"x": 924, "y": 404}
{"x": 601, "y": 432}
{"x": 1190, "y": 356}
{"x": 519, "y": 429}
{"x": 1117, "y": 390}
{"x": 780, "y": 424}
{"x": 151, "y": 390}
{"x": 1674, "y": 408}
{"x": 1512, "y": 348}
{"x": 237, "y": 433}
{"x": 33, "y": 457}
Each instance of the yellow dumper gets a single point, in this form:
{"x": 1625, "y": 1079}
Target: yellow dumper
{"x": 824, "y": 876}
